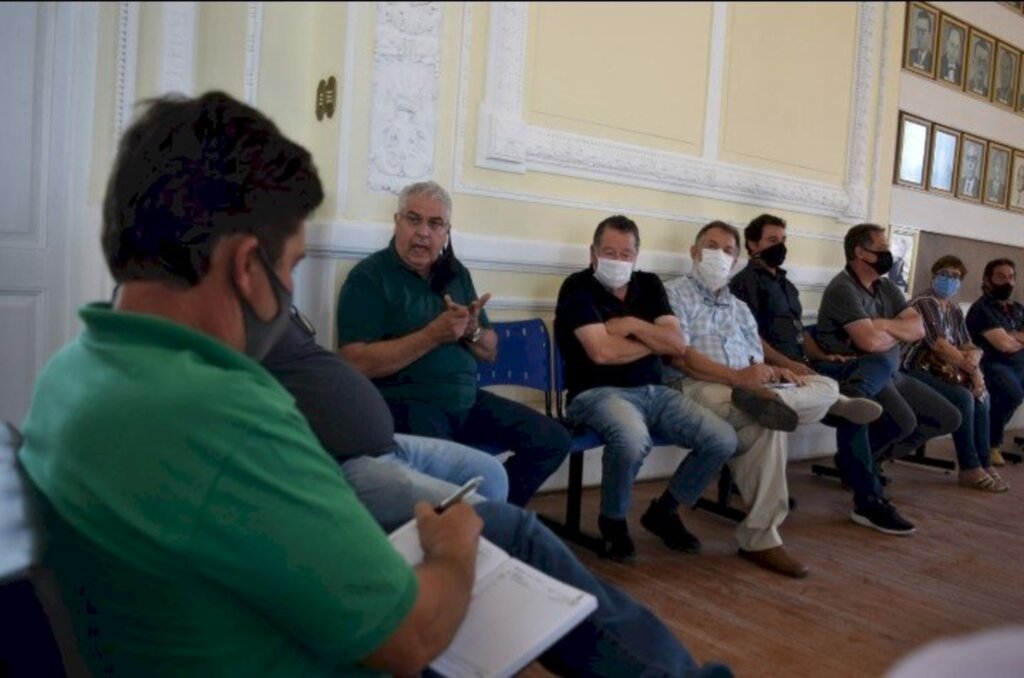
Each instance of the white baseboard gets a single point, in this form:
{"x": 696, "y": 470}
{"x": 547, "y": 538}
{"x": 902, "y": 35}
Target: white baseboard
{"x": 807, "y": 442}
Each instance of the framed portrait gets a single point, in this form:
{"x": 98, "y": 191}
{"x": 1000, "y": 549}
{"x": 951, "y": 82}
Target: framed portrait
{"x": 919, "y": 41}
{"x": 1017, "y": 182}
{"x": 912, "y": 151}
{"x": 952, "y": 52}
{"x": 1004, "y": 79}
{"x": 942, "y": 163}
{"x": 997, "y": 175}
{"x": 980, "y": 53}
{"x": 902, "y": 247}
{"x": 970, "y": 165}
{"x": 1020, "y": 91}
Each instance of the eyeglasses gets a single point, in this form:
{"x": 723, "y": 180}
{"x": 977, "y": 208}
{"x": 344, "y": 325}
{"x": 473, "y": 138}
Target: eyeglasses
{"x": 435, "y": 224}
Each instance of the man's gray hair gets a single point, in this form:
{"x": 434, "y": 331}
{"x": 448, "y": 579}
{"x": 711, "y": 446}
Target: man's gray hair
{"x": 429, "y": 189}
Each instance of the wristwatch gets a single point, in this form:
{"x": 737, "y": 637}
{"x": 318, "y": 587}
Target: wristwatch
{"x": 475, "y": 337}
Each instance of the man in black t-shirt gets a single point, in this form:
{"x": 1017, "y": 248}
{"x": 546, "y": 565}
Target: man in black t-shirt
{"x": 996, "y": 324}
{"x": 614, "y": 326}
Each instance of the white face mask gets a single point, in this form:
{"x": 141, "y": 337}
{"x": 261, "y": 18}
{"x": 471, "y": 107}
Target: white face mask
{"x": 613, "y": 273}
{"x": 714, "y": 268}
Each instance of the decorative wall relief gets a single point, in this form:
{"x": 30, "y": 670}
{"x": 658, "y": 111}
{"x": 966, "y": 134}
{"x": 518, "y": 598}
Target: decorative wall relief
{"x": 407, "y": 66}
{"x": 507, "y": 143}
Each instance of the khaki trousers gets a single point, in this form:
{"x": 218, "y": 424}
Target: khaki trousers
{"x": 759, "y": 465}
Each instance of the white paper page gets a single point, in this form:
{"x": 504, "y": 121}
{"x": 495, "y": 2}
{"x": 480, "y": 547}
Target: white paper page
{"x": 406, "y": 541}
{"x": 514, "y": 616}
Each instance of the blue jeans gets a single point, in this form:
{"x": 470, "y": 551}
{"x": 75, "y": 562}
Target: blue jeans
{"x": 862, "y": 377}
{"x": 1005, "y": 382}
{"x": 972, "y": 438}
{"x": 389, "y": 489}
{"x": 626, "y": 418}
{"x": 621, "y": 637}
{"x": 451, "y": 462}
{"x": 539, "y": 442}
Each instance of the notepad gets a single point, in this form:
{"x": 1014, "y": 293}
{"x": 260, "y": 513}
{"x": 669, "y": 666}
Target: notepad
{"x": 516, "y": 612}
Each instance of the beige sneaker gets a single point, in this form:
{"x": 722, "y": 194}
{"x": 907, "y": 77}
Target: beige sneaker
{"x": 996, "y": 457}
{"x": 856, "y": 410}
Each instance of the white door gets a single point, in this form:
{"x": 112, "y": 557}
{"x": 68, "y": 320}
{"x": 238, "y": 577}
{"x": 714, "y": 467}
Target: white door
{"x": 46, "y": 97}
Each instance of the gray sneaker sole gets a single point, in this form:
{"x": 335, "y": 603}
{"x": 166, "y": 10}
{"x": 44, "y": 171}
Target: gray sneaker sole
{"x": 861, "y": 520}
{"x": 857, "y": 410}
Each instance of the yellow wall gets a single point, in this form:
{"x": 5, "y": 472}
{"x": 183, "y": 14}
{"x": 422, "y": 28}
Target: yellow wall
{"x": 636, "y": 74}
{"x": 220, "y": 47}
{"x": 584, "y": 63}
{"x": 788, "y": 83}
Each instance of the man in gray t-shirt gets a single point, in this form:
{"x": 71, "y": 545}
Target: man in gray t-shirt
{"x": 865, "y": 316}
{"x": 847, "y": 301}
{"x": 390, "y": 472}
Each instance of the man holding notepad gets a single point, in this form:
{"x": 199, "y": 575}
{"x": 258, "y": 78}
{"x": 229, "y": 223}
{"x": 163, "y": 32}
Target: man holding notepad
{"x": 197, "y": 525}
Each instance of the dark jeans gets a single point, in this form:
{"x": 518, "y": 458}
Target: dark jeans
{"x": 1005, "y": 382}
{"x": 862, "y": 377}
{"x": 855, "y": 461}
{"x": 494, "y": 423}
{"x": 914, "y": 414}
{"x": 972, "y": 438}
{"x": 621, "y": 637}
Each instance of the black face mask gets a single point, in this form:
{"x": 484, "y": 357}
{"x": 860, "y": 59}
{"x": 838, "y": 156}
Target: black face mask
{"x": 883, "y": 262}
{"x": 1002, "y": 292}
{"x": 773, "y": 256}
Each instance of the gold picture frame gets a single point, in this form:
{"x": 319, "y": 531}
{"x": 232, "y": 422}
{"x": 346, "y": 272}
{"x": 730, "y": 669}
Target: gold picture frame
{"x": 970, "y": 167}
{"x": 919, "y": 39}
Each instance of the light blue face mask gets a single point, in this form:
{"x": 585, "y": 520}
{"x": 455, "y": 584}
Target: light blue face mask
{"x": 945, "y": 286}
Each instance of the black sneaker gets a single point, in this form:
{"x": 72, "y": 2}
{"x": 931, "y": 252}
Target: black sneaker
{"x": 618, "y": 545}
{"x": 883, "y": 517}
{"x": 668, "y": 526}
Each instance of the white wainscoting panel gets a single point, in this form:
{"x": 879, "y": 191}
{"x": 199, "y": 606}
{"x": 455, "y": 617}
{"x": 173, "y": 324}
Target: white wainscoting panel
{"x": 21, "y": 327}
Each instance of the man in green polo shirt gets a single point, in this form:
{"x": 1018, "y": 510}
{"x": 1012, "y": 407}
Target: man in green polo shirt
{"x": 410, "y": 319}
{"x": 198, "y": 526}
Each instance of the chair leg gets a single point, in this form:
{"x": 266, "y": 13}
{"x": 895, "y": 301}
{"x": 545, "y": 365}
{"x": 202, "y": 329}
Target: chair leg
{"x": 570, "y": 529}
{"x": 574, "y": 495}
{"x": 921, "y": 459}
{"x": 720, "y": 506}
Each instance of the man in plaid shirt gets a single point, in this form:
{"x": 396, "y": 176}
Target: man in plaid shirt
{"x": 724, "y": 369}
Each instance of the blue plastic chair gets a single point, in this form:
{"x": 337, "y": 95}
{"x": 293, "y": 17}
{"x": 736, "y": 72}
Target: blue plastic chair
{"x": 524, "y": 358}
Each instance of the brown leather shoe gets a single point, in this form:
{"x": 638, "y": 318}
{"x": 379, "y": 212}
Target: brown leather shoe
{"x": 778, "y": 560}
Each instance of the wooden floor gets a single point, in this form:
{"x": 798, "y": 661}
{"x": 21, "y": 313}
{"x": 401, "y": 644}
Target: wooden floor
{"x": 870, "y": 597}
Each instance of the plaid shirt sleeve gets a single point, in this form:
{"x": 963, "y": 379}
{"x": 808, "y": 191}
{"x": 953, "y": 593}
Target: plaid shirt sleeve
{"x": 931, "y": 316}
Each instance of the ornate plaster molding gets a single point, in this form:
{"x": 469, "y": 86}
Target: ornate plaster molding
{"x": 505, "y": 142}
{"x": 406, "y": 76}
{"x": 178, "y": 49}
{"x": 253, "y": 37}
{"x": 883, "y": 67}
{"x": 127, "y": 59}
